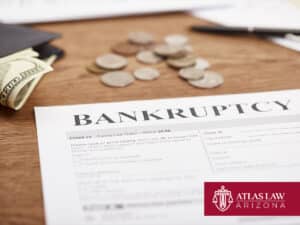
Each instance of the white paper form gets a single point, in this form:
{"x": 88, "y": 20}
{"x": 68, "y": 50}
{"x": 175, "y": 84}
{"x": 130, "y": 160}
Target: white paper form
{"x": 144, "y": 162}
{"x": 33, "y": 11}
{"x": 255, "y": 13}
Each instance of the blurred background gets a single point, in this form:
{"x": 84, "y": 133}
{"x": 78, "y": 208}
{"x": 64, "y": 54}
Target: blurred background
{"x": 283, "y": 14}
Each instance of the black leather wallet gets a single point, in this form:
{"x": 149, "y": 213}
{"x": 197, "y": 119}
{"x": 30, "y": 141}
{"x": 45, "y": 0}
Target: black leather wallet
{"x": 14, "y": 38}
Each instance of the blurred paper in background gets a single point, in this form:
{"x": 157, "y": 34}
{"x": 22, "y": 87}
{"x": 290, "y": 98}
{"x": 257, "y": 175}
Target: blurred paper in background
{"x": 32, "y": 11}
{"x": 255, "y": 13}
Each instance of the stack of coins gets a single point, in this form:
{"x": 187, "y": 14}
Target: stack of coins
{"x": 175, "y": 51}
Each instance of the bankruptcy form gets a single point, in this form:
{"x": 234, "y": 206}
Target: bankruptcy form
{"x": 145, "y": 162}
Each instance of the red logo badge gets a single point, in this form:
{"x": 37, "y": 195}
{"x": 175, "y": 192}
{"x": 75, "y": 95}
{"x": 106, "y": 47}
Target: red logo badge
{"x": 251, "y": 198}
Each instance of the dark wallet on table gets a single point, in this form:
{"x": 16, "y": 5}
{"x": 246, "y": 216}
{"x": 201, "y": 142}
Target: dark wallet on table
{"x": 14, "y": 38}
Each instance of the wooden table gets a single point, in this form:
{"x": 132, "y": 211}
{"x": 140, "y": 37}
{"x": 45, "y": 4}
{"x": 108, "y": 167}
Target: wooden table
{"x": 249, "y": 64}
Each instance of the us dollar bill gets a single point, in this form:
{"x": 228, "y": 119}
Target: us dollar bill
{"x": 20, "y": 73}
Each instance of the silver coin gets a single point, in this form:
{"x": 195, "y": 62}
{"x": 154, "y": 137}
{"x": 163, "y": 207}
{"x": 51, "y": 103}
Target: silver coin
{"x": 146, "y": 73}
{"x": 184, "y": 62}
{"x": 188, "y": 48}
{"x": 191, "y": 73}
{"x": 140, "y": 38}
{"x": 111, "y": 61}
{"x": 176, "y": 39}
{"x": 210, "y": 80}
{"x": 202, "y": 64}
{"x": 148, "y": 57}
{"x": 117, "y": 79}
{"x": 169, "y": 50}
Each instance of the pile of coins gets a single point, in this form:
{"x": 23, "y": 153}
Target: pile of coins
{"x": 175, "y": 51}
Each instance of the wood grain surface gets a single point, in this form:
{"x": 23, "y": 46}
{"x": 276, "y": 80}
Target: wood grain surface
{"x": 249, "y": 64}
